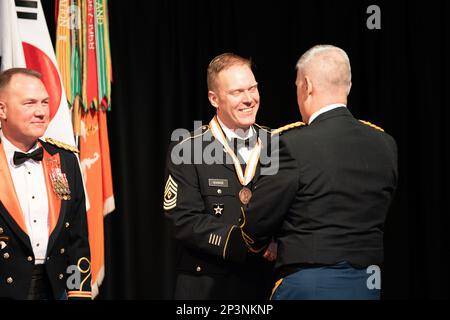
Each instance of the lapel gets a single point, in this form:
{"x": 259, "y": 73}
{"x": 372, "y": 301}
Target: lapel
{"x": 12, "y": 212}
{"x": 265, "y": 137}
{"x": 52, "y": 161}
{"x": 227, "y": 162}
{"x": 257, "y": 173}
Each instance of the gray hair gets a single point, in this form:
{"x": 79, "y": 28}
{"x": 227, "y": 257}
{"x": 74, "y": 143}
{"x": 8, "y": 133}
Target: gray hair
{"x": 343, "y": 76}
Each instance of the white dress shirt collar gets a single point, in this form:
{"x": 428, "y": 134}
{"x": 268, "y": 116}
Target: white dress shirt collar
{"x": 239, "y": 133}
{"x": 10, "y": 149}
{"x": 243, "y": 151}
{"x": 325, "y": 109}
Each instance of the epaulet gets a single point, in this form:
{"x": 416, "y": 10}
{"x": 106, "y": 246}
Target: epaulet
{"x": 194, "y": 134}
{"x": 267, "y": 129}
{"x": 62, "y": 145}
{"x": 372, "y": 125}
{"x": 297, "y": 124}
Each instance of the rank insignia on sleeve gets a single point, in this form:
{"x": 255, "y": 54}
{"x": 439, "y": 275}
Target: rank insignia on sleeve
{"x": 214, "y": 239}
{"x": 170, "y": 194}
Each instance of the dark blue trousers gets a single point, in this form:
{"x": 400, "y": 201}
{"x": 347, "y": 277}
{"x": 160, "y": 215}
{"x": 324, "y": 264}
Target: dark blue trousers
{"x": 336, "y": 282}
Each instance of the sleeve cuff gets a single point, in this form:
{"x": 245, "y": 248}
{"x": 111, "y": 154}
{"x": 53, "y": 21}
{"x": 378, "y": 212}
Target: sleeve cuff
{"x": 79, "y": 295}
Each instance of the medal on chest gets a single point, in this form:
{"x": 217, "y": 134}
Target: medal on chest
{"x": 245, "y": 194}
{"x": 58, "y": 179}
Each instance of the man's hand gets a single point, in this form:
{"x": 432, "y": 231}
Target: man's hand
{"x": 271, "y": 251}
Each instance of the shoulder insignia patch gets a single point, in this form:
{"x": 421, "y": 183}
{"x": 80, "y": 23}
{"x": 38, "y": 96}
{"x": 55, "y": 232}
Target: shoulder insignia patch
{"x": 287, "y": 127}
{"x": 170, "y": 194}
{"x": 62, "y": 145}
{"x": 371, "y": 125}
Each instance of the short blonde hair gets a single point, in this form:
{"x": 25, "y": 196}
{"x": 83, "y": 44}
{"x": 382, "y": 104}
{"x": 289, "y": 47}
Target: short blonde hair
{"x": 223, "y": 62}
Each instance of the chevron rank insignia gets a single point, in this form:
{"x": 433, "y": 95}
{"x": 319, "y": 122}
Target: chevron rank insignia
{"x": 170, "y": 194}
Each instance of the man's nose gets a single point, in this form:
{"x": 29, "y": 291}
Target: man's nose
{"x": 40, "y": 110}
{"x": 247, "y": 96}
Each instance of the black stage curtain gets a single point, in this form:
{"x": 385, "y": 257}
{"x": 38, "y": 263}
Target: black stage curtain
{"x": 160, "y": 51}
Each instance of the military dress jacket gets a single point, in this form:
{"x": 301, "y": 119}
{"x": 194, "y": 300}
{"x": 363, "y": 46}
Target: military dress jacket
{"x": 329, "y": 200}
{"x": 201, "y": 201}
{"x": 68, "y": 254}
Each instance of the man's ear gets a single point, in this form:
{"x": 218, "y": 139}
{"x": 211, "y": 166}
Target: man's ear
{"x": 213, "y": 99}
{"x": 2, "y": 110}
{"x": 308, "y": 85}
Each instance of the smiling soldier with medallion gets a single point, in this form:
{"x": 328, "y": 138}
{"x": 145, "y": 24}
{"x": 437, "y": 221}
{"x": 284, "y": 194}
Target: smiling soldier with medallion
{"x": 204, "y": 200}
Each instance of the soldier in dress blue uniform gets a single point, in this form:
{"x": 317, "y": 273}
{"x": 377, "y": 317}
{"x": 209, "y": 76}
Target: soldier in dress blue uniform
{"x": 205, "y": 191}
{"x": 329, "y": 200}
{"x": 43, "y": 227}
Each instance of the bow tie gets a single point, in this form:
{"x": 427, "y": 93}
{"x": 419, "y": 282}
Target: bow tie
{"x": 20, "y": 157}
{"x": 236, "y": 143}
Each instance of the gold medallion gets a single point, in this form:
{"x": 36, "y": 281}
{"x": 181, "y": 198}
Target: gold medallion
{"x": 245, "y": 195}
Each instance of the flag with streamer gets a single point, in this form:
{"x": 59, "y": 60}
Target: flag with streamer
{"x": 83, "y": 49}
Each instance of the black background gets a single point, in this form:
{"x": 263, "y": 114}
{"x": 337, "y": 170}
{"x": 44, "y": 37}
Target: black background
{"x": 160, "y": 51}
